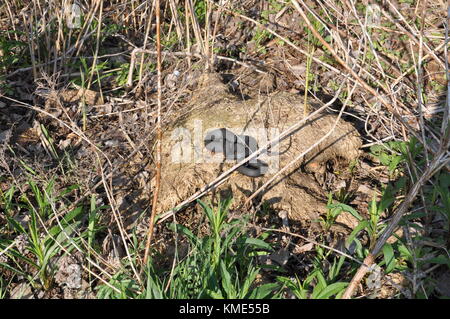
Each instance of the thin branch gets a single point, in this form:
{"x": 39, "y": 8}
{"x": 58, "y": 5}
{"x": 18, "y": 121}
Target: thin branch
{"x": 159, "y": 133}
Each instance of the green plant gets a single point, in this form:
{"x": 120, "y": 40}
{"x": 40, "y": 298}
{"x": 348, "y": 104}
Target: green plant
{"x": 373, "y": 226}
{"x": 122, "y": 74}
{"x": 200, "y": 11}
{"x": 49, "y": 142}
{"x": 320, "y": 28}
{"x": 3, "y": 288}
{"x": 37, "y": 247}
{"x": 317, "y": 285}
{"x": 441, "y": 191}
{"x": 170, "y": 41}
{"x": 309, "y": 77}
{"x": 88, "y": 71}
{"x": 233, "y": 271}
{"x": 260, "y": 37}
{"x": 218, "y": 265}
{"x": 125, "y": 287}
{"x": 274, "y": 8}
{"x": 224, "y": 259}
{"x": 28, "y": 169}
{"x": 334, "y": 210}
{"x": 394, "y": 153}
{"x": 12, "y": 51}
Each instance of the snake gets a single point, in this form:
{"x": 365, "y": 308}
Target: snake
{"x": 236, "y": 147}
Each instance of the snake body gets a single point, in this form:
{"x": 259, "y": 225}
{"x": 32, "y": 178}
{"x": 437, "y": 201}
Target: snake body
{"x": 236, "y": 147}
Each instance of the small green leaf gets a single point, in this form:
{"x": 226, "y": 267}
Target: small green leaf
{"x": 331, "y": 290}
{"x": 263, "y": 291}
{"x": 362, "y": 225}
{"x": 258, "y": 243}
{"x": 389, "y": 258}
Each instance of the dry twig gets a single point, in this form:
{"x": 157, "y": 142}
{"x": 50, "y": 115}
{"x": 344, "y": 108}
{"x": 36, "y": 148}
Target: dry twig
{"x": 159, "y": 133}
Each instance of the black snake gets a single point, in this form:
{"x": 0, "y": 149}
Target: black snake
{"x": 236, "y": 147}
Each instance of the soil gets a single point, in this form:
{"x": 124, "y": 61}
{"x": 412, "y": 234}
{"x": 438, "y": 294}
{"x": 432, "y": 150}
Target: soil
{"x": 187, "y": 166}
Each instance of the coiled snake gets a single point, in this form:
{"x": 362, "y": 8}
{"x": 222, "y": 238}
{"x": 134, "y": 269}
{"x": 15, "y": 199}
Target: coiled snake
{"x": 236, "y": 147}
